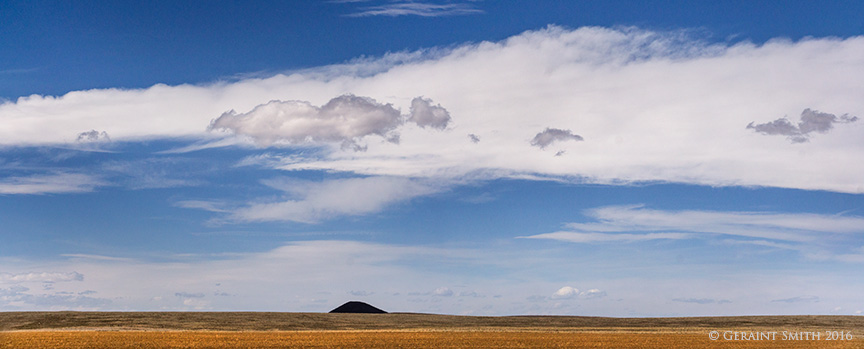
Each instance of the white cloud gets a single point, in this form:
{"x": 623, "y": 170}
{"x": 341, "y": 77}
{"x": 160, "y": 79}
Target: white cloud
{"x": 565, "y": 292}
{"x": 212, "y": 206}
{"x": 315, "y": 201}
{"x": 319, "y": 275}
{"x": 593, "y": 294}
{"x": 443, "y": 292}
{"x": 293, "y": 274}
{"x": 569, "y": 292}
{"x": 18, "y": 298}
{"x": 49, "y": 277}
{"x": 57, "y": 183}
{"x": 816, "y": 236}
{"x": 778, "y": 226}
{"x": 651, "y": 106}
{"x": 344, "y": 119}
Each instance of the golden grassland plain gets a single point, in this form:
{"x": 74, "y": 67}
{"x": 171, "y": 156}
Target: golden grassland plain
{"x": 279, "y": 330}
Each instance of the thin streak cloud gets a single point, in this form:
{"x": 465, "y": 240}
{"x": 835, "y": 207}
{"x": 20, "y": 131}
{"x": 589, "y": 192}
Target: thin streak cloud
{"x": 56, "y": 183}
{"x": 815, "y": 236}
{"x": 423, "y": 9}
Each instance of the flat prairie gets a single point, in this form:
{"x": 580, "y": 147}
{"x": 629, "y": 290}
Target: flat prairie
{"x": 317, "y": 330}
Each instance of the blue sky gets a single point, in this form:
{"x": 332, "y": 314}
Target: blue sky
{"x": 464, "y": 157}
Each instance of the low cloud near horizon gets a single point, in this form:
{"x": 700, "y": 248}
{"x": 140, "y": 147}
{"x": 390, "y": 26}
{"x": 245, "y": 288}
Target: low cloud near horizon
{"x": 317, "y": 276}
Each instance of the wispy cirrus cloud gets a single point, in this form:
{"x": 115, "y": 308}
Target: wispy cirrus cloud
{"x": 778, "y": 226}
{"x": 816, "y": 236}
{"x": 55, "y": 183}
{"x": 418, "y": 8}
{"x": 18, "y": 71}
{"x": 150, "y": 173}
{"x": 212, "y": 206}
{"x": 799, "y": 299}
{"x": 312, "y": 202}
{"x": 605, "y": 237}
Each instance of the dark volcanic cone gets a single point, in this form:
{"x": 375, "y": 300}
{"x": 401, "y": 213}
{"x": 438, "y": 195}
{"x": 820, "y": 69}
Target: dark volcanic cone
{"x": 357, "y": 307}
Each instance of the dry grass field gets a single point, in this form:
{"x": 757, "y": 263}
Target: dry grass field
{"x": 310, "y": 330}
{"x": 387, "y": 339}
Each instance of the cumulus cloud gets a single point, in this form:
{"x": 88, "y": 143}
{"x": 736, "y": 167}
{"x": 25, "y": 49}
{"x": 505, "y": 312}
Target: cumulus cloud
{"x": 811, "y": 121}
{"x": 569, "y": 292}
{"x": 345, "y": 119}
{"x": 474, "y": 138}
{"x": 311, "y": 202}
{"x": 552, "y": 135}
{"x": 424, "y": 114}
{"x": 412, "y": 8}
{"x": 93, "y": 136}
{"x": 565, "y": 292}
{"x": 57, "y": 183}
